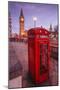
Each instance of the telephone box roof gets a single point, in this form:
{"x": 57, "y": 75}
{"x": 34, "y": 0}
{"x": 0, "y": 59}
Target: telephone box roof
{"x": 38, "y": 30}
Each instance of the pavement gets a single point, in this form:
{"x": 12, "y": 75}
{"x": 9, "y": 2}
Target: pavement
{"x": 20, "y": 50}
{"x": 53, "y": 72}
{"x": 15, "y": 68}
{"x": 15, "y": 82}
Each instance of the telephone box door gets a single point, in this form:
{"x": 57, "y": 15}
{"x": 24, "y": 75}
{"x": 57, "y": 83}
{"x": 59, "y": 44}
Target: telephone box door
{"x": 43, "y": 56}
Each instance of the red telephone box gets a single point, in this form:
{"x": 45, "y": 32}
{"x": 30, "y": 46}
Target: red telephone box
{"x": 38, "y": 54}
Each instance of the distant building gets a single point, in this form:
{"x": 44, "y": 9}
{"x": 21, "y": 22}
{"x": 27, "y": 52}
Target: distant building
{"x": 50, "y": 29}
{"x": 22, "y": 32}
{"x": 53, "y": 33}
{"x": 56, "y": 28}
{"x": 9, "y": 25}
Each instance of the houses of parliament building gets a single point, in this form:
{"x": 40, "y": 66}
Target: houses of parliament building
{"x": 22, "y": 32}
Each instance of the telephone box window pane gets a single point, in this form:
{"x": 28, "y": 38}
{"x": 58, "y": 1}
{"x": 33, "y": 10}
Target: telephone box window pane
{"x": 43, "y": 58}
{"x": 31, "y": 54}
{"x": 31, "y": 50}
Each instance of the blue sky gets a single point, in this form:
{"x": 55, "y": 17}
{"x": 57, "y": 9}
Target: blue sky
{"x": 46, "y": 14}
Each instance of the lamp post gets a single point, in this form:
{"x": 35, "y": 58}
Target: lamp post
{"x": 34, "y": 19}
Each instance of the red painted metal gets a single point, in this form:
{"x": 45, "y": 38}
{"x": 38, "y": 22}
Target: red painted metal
{"x": 38, "y": 54}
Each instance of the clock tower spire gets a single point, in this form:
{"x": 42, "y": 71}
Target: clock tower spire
{"x": 21, "y": 24}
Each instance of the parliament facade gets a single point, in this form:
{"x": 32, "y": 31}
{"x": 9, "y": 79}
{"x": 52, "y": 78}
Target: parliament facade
{"x": 22, "y": 32}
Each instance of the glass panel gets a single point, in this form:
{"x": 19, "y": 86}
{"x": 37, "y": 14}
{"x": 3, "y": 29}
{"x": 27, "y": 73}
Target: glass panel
{"x": 43, "y": 58}
{"x": 31, "y": 55}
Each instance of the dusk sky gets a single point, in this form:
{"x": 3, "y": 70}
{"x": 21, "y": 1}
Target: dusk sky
{"x": 46, "y": 14}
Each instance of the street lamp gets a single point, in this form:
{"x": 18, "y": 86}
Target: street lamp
{"x": 34, "y": 19}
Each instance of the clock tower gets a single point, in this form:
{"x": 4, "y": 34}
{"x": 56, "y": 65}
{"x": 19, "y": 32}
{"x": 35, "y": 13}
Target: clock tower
{"x": 21, "y": 22}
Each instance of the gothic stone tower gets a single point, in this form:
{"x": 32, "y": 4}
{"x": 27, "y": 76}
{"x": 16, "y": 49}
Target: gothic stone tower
{"x": 9, "y": 25}
{"x": 21, "y": 23}
{"x": 50, "y": 28}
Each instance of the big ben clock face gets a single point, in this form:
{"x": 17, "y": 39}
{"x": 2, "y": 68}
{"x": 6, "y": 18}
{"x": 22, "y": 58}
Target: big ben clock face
{"x": 22, "y": 19}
